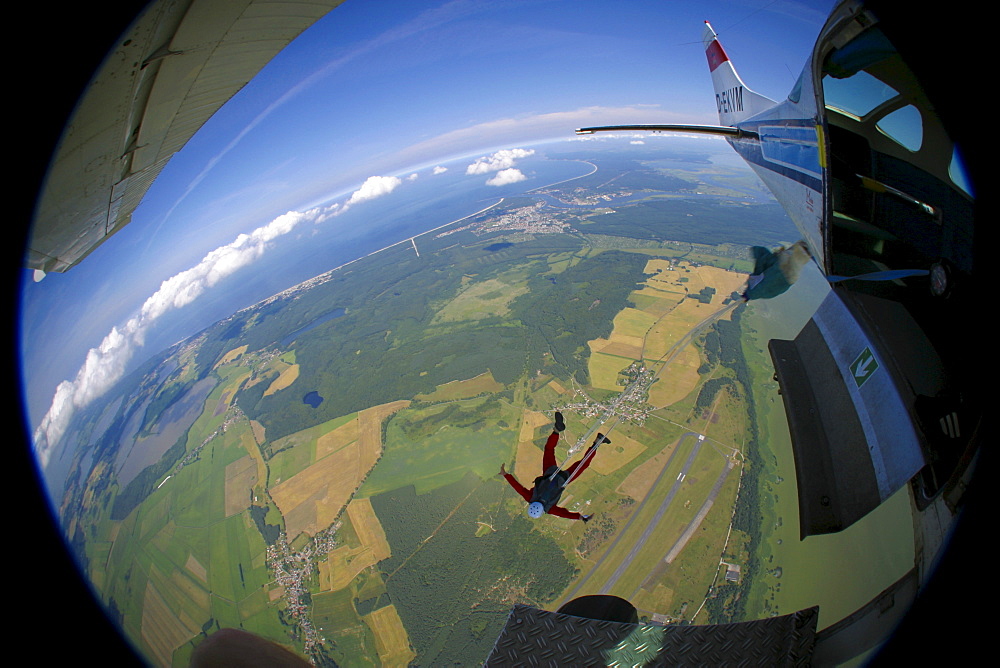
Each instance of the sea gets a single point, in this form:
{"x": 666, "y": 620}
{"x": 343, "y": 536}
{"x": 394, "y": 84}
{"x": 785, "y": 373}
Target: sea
{"x": 424, "y": 203}
{"x": 416, "y": 206}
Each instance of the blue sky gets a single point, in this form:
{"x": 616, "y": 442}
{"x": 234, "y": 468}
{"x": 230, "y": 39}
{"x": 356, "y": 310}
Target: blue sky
{"x": 381, "y": 88}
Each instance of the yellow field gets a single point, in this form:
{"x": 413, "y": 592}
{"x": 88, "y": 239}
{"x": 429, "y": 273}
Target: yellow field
{"x": 368, "y": 528}
{"x": 641, "y": 479}
{"x": 284, "y": 379}
{"x": 372, "y": 417}
{"x": 659, "y": 288}
{"x": 613, "y": 456}
{"x": 196, "y": 569}
{"x": 697, "y": 278}
{"x": 258, "y": 431}
{"x": 310, "y": 435}
{"x": 657, "y": 302}
{"x": 630, "y": 350}
{"x": 677, "y": 380}
{"x": 460, "y": 389}
{"x": 656, "y": 264}
{"x": 163, "y": 630}
{"x": 345, "y": 563}
{"x": 557, "y": 387}
{"x": 337, "y": 438}
{"x": 670, "y": 274}
{"x": 668, "y": 283}
{"x": 723, "y": 281}
{"x": 528, "y": 461}
{"x": 675, "y": 326}
{"x": 241, "y": 476}
{"x": 665, "y": 316}
{"x": 530, "y": 421}
{"x": 631, "y": 323}
{"x": 604, "y": 369}
{"x": 230, "y": 356}
{"x": 681, "y": 378}
{"x": 312, "y": 498}
{"x": 391, "y": 641}
{"x": 630, "y": 326}
{"x": 370, "y": 424}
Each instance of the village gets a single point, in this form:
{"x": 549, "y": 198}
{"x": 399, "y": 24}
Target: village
{"x": 525, "y": 219}
{"x": 291, "y": 571}
{"x": 629, "y": 405}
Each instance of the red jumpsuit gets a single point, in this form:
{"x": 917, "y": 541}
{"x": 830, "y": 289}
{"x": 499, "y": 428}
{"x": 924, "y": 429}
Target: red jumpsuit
{"x": 548, "y": 461}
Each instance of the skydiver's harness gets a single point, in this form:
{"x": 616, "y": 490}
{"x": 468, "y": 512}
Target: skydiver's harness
{"x": 561, "y": 478}
{"x": 549, "y": 487}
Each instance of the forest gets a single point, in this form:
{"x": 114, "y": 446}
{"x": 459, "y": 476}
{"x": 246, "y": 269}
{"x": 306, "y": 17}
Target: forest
{"x": 448, "y": 595}
{"x": 703, "y": 221}
{"x": 575, "y": 307}
{"x": 385, "y": 348}
{"x": 724, "y": 343}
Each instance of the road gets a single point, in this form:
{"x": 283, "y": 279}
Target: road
{"x": 664, "y": 361}
{"x": 612, "y": 549}
{"x": 639, "y": 544}
{"x": 661, "y": 566}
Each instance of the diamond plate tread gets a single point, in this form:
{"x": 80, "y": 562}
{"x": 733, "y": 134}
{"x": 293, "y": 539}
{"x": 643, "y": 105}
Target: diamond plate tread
{"x": 533, "y": 637}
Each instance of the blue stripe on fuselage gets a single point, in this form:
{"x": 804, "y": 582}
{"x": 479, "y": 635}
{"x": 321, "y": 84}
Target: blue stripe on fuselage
{"x": 786, "y": 147}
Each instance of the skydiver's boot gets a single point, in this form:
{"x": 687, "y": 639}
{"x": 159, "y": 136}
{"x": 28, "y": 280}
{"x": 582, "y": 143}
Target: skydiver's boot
{"x": 601, "y": 439}
{"x": 560, "y": 425}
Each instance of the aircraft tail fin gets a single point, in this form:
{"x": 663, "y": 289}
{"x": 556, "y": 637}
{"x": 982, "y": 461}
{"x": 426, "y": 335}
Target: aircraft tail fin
{"x": 734, "y": 100}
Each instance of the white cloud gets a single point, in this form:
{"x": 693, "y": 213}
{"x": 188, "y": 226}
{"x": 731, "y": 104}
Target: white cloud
{"x": 637, "y": 141}
{"x": 440, "y": 170}
{"x": 506, "y": 176}
{"x": 374, "y": 186}
{"x": 105, "y": 364}
{"x": 502, "y": 159}
{"x": 412, "y": 177}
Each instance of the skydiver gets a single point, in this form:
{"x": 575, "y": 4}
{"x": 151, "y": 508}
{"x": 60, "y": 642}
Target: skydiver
{"x": 542, "y": 498}
{"x": 775, "y": 272}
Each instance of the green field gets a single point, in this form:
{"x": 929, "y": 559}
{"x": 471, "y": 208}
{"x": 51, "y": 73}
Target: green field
{"x": 173, "y": 565}
{"x": 435, "y": 446}
{"x": 334, "y": 613}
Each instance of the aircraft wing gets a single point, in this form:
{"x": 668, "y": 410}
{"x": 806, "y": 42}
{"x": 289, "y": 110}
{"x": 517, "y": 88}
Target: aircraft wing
{"x": 723, "y": 130}
{"x": 174, "y": 67}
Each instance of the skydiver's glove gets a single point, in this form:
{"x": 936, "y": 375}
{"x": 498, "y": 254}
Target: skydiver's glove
{"x": 585, "y": 518}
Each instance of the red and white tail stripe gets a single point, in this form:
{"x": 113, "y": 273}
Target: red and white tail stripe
{"x": 734, "y": 100}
